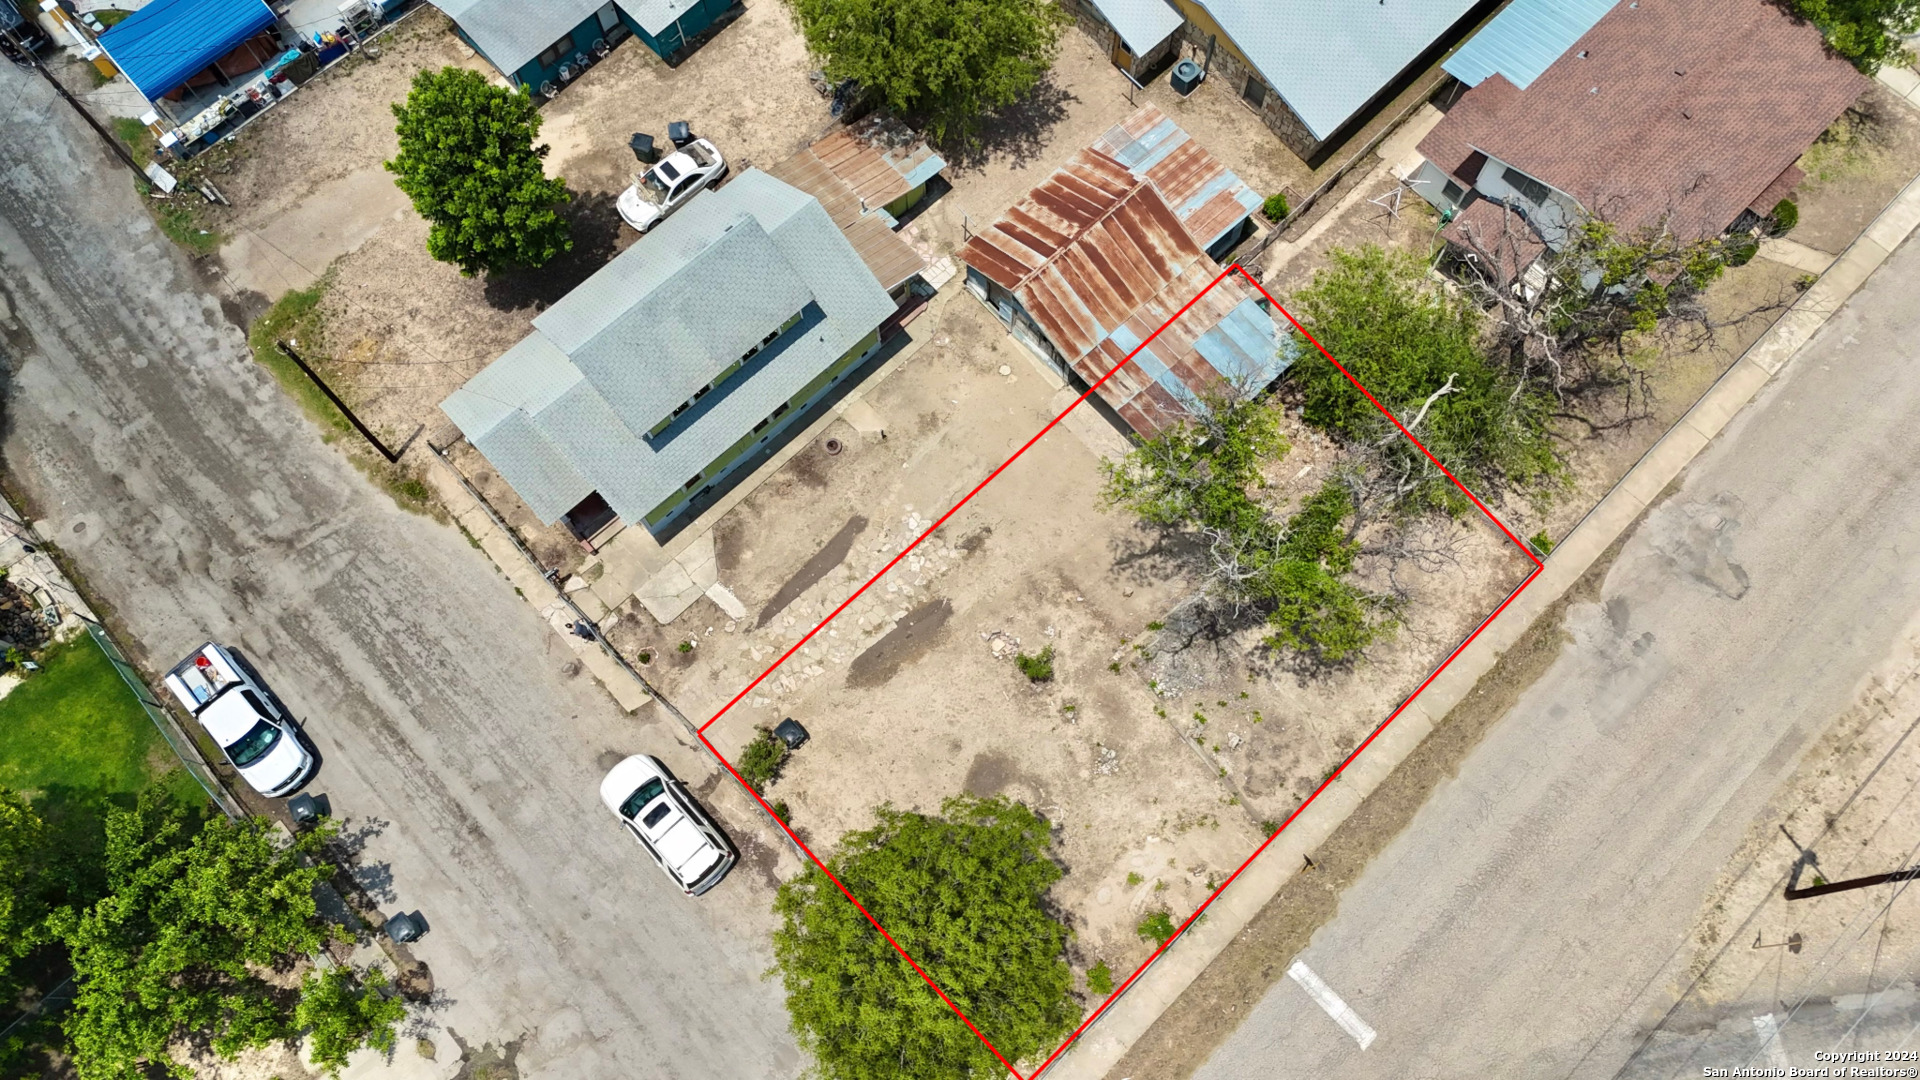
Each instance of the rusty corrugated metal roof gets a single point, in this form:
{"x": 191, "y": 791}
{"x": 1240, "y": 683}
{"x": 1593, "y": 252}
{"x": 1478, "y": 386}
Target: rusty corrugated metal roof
{"x": 1099, "y": 259}
{"x": 868, "y": 229}
{"x": 1205, "y": 195}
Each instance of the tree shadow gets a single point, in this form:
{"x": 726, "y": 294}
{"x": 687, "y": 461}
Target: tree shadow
{"x": 1017, "y": 132}
{"x": 594, "y": 223}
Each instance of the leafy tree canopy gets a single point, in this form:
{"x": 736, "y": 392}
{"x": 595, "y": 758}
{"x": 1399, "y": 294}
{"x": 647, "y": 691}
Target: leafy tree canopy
{"x": 1203, "y": 476}
{"x": 964, "y": 894}
{"x": 343, "y": 1013}
{"x": 193, "y": 915}
{"x": 945, "y": 63}
{"x": 23, "y": 897}
{"x": 1415, "y": 346}
{"x": 468, "y": 161}
{"x": 1867, "y": 32}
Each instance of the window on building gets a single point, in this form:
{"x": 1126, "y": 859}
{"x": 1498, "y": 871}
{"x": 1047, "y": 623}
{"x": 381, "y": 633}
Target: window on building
{"x": 557, "y": 52}
{"x": 1255, "y": 92}
{"x": 697, "y": 477}
{"x": 732, "y": 369}
{"x": 1530, "y": 189}
{"x": 1453, "y": 192}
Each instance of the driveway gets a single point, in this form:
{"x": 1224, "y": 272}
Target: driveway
{"x": 1533, "y": 920}
{"x": 197, "y": 503}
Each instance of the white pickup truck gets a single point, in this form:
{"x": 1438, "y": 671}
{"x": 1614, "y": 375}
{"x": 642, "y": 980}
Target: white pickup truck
{"x": 242, "y": 717}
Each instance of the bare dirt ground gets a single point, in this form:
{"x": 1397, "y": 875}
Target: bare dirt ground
{"x": 1850, "y": 811}
{"x": 1156, "y": 760}
{"x": 1857, "y": 167}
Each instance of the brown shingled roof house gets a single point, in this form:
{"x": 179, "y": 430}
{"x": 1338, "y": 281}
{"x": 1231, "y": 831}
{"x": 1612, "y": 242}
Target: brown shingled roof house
{"x": 1687, "y": 112}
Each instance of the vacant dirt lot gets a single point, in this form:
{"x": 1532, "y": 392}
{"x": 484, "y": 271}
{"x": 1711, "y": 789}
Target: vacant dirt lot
{"x": 1157, "y": 760}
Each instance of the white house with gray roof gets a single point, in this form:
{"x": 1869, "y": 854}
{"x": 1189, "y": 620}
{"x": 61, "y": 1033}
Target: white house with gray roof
{"x": 658, "y": 377}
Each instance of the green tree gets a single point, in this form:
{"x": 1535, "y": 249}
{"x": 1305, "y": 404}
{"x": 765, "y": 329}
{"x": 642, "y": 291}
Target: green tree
{"x": 1202, "y": 476}
{"x": 1415, "y": 346}
{"x": 468, "y": 161}
{"x": 944, "y": 63}
{"x": 342, "y": 1013}
{"x": 23, "y": 895}
{"x": 192, "y": 915}
{"x": 963, "y": 893}
{"x": 1870, "y": 33}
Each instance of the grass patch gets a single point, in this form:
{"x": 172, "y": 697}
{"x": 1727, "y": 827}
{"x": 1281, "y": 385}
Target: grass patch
{"x": 74, "y": 736}
{"x": 1100, "y": 979}
{"x": 1844, "y": 151}
{"x": 135, "y": 134}
{"x": 1037, "y": 667}
{"x": 181, "y": 224}
{"x": 296, "y": 318}
{"x": 1157, "y": 927}
{"x": 110, "y": 16}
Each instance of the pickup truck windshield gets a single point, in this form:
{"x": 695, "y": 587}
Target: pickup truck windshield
{"x": 254, "y": 745}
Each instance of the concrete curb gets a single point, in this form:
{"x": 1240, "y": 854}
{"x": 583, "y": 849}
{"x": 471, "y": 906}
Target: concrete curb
{"x": 1161, "y": 985}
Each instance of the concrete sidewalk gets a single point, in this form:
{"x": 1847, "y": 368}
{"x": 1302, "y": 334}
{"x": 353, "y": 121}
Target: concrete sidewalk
{"x": 1108, "y": 1039}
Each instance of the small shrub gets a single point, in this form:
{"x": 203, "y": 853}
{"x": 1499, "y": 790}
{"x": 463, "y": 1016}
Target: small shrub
{"x": 1156, "y": 625}
{"x": 1276, "y": 206}
{"x": 646, "y": 657}
{"x": 1269, "y": 827}
{"x": 761, "y": 761}
{"x": 1157, "y": 927}
{"x": 686, "y": 646}
{"x": 1134, "y": 879}
{"x": 780, "y": 811}
{"x": 1785, "y": 215}
{"x": 1037, "y": 667}
{"x": 1541, "y": 542}
{"x": 1742, "y": 252}
{"x": 1100, "y": 979}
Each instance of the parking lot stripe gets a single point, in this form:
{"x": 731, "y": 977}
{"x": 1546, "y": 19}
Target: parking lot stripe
{"x": 1335, "y": 1006}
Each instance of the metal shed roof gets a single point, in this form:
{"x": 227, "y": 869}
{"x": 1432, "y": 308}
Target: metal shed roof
{"x": 556, "y": 414}
{"x": 1142, "y": 24}
{"x": 511, "y": 32}
{"x": 1525, "y": 39}
{"x": 1207, "y": 197}
{"x": 855, "y": 173}
{"x": 1099, "y": 261}
{"x": 169, "y": 41}
{"x": 1328, "y": 58}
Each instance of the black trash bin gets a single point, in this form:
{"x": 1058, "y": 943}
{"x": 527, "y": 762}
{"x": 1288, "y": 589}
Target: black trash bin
{"x": 643, "y": 148}
{"x": 680, "y": 132}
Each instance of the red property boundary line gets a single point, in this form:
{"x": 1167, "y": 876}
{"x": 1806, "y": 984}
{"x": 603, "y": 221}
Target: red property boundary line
{"x": 1331, "y": 777}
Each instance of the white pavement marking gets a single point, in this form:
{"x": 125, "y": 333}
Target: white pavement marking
{"x": 1776, "y": 1051}
{"x": 1342, "y": 1013}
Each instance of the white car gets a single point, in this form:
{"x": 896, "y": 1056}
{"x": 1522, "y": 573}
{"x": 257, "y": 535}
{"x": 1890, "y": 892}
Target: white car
{"x": 667, "y": 186}
{"x": 243, "y": 718}
{"x": 660, "y": 814}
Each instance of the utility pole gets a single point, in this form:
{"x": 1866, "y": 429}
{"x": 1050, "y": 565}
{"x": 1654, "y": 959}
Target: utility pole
{"x": 1852, "y": 883}
{"x": 106, "y": 136}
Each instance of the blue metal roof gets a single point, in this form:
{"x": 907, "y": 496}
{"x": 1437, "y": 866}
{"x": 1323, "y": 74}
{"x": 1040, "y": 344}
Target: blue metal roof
{"x": 1525, "y": 39}
{"x": 169, "y": 41}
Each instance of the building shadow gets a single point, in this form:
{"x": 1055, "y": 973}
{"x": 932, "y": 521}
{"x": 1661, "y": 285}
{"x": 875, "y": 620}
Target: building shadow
{"x": 594, "y": 225}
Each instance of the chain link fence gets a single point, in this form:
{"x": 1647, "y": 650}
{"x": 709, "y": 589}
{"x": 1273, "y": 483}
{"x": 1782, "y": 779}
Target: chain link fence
{"x": 177, "y": 738}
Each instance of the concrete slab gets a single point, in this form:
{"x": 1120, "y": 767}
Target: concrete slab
{"x": 1799, "y": 256}
{"x": 1862, "y": 258}
{"x": 336, "y": 219}
{"x": 1726, "y": 398}
{"x": 1898, "y": 219}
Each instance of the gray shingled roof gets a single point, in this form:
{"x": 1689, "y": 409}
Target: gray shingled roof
{"x": 511, "y": 32}
{"x": 561, "y": 414}
{"x": 1328, "y": 58}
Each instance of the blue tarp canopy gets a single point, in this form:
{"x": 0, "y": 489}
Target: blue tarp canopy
{"x": 170, "y": 41}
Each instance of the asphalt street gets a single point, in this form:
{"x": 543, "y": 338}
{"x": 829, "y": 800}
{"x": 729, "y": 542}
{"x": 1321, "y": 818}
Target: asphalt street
{"x": 1532, "y": 920}
{"x": 198, "y": 503}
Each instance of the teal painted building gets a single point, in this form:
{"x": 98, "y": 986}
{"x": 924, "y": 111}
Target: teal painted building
{"x": 545, "y": 44}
